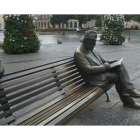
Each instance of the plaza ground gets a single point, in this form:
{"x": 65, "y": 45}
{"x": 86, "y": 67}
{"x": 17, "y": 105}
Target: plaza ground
{"x": 100, "y": 112}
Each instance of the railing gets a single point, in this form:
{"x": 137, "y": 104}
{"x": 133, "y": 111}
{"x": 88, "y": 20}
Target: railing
{"x": 134, "y": 36}
{"x": 43, "y": 19}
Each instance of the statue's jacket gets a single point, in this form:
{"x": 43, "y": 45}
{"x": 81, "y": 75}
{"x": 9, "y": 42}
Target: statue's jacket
{"x": 91, "y": 66}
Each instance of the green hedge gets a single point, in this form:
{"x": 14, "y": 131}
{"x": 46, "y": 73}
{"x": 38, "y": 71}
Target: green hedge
{"x": 98, "y": 23}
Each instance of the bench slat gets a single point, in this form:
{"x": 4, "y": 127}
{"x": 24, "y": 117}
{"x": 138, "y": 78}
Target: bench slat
{"x": 29, "y": 90}
{"x": 34, "y": 100}
{"x": 63, "y": 61}
{"x": 74, "y": 109}
{"x": 20, "y": 93}
{"x": 69, "y": 105}
{"x": 36, "y": 93}
{"x": 64, "y": 66}
{"x": 40, "y": 85}
{"x": 42, "y": 105}
{"x": 25, "y": 104}
{"x": 23, "y": 79}
{"x": 39, "y": 98}
{"x": 29, "y": 83}
{"x": 30, "y": 71}
{"x": 7, "y": 120}
{"x": 54, "y": 108}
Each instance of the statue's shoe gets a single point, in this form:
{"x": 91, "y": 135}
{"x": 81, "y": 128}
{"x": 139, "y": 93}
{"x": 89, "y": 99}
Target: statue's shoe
{"x": 133, "y": 93}
{"x": 133, "y": 105}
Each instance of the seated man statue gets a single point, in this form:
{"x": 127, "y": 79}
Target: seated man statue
{"x": 96, "y": 71}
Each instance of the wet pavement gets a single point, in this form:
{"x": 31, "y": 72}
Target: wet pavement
{"x": 100, "y": 112}
{"x": 52, "y": 39}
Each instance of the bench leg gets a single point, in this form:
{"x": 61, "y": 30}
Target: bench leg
{"x": 108, "y": 100}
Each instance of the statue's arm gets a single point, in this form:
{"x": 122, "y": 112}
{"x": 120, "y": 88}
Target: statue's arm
{"x": 85, "y": 66}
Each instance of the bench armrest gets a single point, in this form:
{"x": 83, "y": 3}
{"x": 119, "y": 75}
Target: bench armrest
{"x": 1, "y": 70}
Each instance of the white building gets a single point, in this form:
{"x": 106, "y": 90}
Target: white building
{"x": 132, "y": 23}
{"x": 43, "y": 21}
{"x": 1, "y": 21}
{"x": 90, "y": 24}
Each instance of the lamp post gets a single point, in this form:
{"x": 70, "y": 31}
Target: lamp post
{"x": 36, "y": 23}
{"x": 63, "y": 26}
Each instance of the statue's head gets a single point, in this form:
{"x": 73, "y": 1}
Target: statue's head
{"x": 90, "y": 39}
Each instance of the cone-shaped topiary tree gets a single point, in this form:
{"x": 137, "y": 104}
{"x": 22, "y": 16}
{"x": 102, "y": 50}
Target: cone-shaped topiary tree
{"x": 113, "y": 26}
{"x": 20, "y": 35}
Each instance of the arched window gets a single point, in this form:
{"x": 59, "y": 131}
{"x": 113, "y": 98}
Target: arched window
{"x": 41, "y": 24}
{"x": 44, "y": 24}
{"x": 75, "y": 24}
{"x": 38, "y": 25}
{"x": 70, "y": 24}
{"x": 67, "y": 25}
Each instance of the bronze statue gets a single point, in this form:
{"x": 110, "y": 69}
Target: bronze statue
{"x": 97, "y": 71}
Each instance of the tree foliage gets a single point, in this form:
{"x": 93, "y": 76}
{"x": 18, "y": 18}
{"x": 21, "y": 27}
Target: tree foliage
{"x": 20, "y": 35}
{"x": 113, "y": 27}
{"x": 132, "y": 17}
{"x": 57, "y": 19}
{"x": 98, "y": 22}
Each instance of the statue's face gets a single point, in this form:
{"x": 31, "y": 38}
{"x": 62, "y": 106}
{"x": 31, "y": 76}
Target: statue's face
{"x": 90, "y": 44}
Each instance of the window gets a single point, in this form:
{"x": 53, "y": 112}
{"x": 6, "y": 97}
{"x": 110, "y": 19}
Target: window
{"x": 75, "y": 24}
{"x": 41, "y": 24}
{"x": 70, "y": 24}
{"x": 45, "y": 24}
{"x": 67, "y": 25}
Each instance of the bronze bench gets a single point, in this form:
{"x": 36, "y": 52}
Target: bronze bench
{"x": 50, "y": 94}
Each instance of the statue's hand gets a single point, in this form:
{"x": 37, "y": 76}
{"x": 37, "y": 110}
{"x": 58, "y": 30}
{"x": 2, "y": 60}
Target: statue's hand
{"x": 107, "y": 66}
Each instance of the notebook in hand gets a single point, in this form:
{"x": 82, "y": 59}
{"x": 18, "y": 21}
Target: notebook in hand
{"x": 116, "y": 63}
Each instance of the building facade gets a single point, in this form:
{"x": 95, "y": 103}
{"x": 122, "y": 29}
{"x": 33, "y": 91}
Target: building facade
{"x": 132, "y": 24}
{"x": 42, "y": 21}
{"x": 1, "y": 22}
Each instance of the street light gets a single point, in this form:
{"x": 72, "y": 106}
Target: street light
{"x": 36, "y": 23}
{"x": 63, "y": 26}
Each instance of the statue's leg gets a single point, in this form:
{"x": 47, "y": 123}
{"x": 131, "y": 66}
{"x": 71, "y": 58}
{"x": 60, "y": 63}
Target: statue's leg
{"x": 123, "y": 77}
{"x": 122, "y": 82}
{"x": 113, "y": 78}
{"x": 124, "y": 99}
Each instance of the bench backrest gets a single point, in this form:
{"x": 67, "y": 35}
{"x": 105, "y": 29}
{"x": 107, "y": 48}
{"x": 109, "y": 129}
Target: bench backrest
{"x": 24, "y": 91}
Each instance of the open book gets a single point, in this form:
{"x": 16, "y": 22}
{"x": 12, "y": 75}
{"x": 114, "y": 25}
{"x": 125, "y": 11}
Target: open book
{"x": 116, "y": 63}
